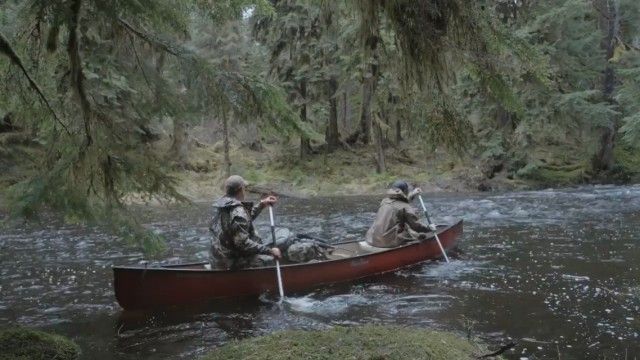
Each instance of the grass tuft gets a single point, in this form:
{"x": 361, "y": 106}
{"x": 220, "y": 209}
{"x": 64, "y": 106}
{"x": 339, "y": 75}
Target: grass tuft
{"x": 25, "y": 344}
{"x": 363, "y": 342}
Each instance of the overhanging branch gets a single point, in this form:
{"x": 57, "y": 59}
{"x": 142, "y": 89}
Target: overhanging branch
{"x": 75, "y": 64}
{"x": 8, "y": 51}
{"x": 154, "y": 40}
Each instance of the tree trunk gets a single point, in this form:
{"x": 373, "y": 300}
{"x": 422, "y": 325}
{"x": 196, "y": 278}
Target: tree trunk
{"x": 380, "y": 165}
{"x": 179, "y": 145}
{"x": 610, "y": 24}
{"x": 159, "y": 84}
{"x": 251, "y": 137}
{"x": 345, "y": 110}
{"x": 506, "y": 125}
{"x": 368, "y": 90}
{"x": 387, "y": 120}
{"x": 225, "y": 130}
{"x": 369, "y": 84}
{"x": 305, "y": 143}
{"x": 332, "y": 136}
{"x": 398, "y": 131}
{"x": 76, "y": 73}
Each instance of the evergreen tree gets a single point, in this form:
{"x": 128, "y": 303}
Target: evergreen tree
{"x": 97, "y": 151}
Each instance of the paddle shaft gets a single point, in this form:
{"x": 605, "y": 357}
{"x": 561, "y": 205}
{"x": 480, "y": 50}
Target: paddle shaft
{"x": 435, "y": 232}
{"x": 273, "y": 236}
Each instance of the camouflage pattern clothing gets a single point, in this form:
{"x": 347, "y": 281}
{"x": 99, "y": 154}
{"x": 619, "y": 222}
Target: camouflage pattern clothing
{"x": 299, "y": 248}
{"x": 304, "y": 251}
{"x": 235, "y": 243}
{"x": 396, "y": 222}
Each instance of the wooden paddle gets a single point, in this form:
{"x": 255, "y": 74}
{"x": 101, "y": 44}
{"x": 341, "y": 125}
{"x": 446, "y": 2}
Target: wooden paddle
{"x": 434, "y": 228}
{"x": 273, "y": 235}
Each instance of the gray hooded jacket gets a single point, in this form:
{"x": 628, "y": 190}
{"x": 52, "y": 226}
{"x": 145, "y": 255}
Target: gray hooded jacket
{"x": 396, "y": 222}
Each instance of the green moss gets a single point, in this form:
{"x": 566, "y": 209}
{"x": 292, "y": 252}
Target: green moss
{"x": 351, "y": 172}
{"x": 253, "y": 176}
{"x": 25, "y": 344}
{"x": 628, "y": 159}
{"x": 545, "y": 174}
{"x": 365, "y": 342}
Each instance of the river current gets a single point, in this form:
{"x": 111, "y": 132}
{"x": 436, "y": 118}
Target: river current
{"x": 556, "y": 271}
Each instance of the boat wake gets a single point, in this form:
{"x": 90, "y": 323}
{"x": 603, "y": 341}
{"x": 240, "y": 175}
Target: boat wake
{"x": 333, "y": 305}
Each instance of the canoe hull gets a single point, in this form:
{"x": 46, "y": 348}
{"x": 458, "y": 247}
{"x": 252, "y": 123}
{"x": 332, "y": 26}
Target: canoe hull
{"x": 139, "y": 287}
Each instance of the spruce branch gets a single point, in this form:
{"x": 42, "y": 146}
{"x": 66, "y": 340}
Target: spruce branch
{"x": 75, "y": 64}
{"x": 7, "y": 50}
{"x": 155, "y": 40}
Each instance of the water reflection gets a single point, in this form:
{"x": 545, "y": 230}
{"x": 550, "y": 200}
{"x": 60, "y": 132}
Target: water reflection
{"x": 556, "y": 271}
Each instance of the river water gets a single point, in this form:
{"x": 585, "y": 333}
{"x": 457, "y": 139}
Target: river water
{"x": 556, "y": 271}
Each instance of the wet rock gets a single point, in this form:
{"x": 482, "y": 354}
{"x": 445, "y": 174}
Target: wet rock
{"x": 484, "y": 186}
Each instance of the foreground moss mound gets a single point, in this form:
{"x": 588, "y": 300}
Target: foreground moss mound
{"x": 366, "y": 342}
{"x": 24, "y": 344}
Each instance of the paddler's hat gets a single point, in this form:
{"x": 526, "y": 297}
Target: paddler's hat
{"x": 233, "y": 184}
{"x": 401, "y": 185}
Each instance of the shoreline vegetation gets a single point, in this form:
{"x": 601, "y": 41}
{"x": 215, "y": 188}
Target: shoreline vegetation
{"x": 360, "y": 342}
{"x": 347, "y": 172}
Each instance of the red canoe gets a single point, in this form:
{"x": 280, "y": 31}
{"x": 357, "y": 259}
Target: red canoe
{"x": 146, "y": 287}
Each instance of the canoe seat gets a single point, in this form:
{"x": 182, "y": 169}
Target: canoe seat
{"x": 370, "y": 249}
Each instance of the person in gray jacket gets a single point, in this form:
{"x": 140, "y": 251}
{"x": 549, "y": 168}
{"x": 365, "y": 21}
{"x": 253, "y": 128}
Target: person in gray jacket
{"x": 396, "y": 221}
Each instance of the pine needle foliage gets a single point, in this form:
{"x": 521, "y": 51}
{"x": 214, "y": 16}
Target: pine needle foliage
{"x": 437, "y": 38}
{"x": 101, "y": 62}
{"x": 564, "y": 107}
{"x": 627, "y": 60}
{"x": 628, "y": 95}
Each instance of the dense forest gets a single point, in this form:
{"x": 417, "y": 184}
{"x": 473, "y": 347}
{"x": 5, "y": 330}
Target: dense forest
{"x": 108, "y": 102}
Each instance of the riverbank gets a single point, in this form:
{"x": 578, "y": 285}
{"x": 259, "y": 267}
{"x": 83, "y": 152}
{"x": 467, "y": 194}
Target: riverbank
{"x": 350, "y": 171}
{"x": 362, "y": 342}
{"x": 340, "y": 173}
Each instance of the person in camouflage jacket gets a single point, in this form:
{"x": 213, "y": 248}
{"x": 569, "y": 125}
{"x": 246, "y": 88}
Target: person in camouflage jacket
{"x": 235, "y": 244}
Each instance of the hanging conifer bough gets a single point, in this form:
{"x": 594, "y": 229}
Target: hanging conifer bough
{"x": 98, "y": 153}
{"x": 437, "y": 37}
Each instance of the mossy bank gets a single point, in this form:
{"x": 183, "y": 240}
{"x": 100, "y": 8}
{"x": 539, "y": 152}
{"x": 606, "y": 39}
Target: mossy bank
{"x": 363, "y": 342}
{"x": 26, "y": 344}
{"x": 349, "y": 172}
